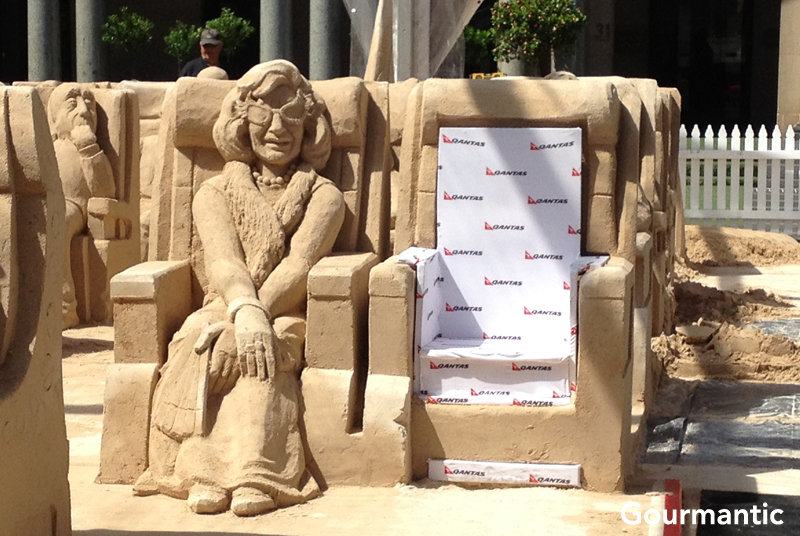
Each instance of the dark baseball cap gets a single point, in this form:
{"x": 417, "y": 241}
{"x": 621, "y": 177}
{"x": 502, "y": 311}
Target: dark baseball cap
{"x": 210, "y": 36}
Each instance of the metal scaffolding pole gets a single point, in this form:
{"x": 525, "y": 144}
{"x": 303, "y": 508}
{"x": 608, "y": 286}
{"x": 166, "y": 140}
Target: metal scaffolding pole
{"x": 276, "y": 30}
{"x": 325, "y": 39}
{"x": 44, "y": 40}
{"x": 89, "y": 46}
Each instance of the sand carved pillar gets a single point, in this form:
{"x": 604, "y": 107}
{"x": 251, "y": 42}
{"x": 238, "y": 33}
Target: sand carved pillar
{"x": 34, "y": 497}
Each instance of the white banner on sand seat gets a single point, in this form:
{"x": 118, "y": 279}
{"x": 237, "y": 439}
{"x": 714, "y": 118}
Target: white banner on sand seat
{"x": 490, "y": 372}
{"x": 522, "y": 474}
{"x": 508, "y": 211}
{"x": 505, "y": 272}
{"x": 493, "y": 369}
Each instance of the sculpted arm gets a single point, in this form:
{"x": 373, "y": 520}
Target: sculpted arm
{"x": 94, "y": 163}
{"x": 224, "y": 259}
{"x": 285, "y": 288}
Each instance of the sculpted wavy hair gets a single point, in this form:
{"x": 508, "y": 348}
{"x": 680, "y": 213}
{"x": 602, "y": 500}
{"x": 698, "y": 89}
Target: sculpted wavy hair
{"x": 232, "y": 129}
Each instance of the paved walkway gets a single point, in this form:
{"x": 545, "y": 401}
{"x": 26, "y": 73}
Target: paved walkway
{"x": 424, "y": 509}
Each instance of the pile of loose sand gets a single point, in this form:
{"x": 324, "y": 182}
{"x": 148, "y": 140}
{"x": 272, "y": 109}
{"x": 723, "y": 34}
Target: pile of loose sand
{"x": 695, "y": 301}
{"x": 728, "y": 350}
{"x": 684, "y": 272}
{"x": 726, "y": 246}
{"x": 731, "y": 354}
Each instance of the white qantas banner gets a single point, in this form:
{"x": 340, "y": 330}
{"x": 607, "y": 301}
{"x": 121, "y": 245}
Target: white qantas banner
{"x": 491, "y": 372}
{"x": 522, "y": 474}
{"x": 497, "y": 300}
{"x": 428, "y": 266}
{"x": 509, "y": 218}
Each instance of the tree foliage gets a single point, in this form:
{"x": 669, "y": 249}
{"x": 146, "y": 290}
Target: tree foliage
{"x": 127, "y": 31}
{"x": 235, "y": 31}
{"x": 181, "y": 40}
{"x": 477, "y": 45}
{"x": 530, "y": 30}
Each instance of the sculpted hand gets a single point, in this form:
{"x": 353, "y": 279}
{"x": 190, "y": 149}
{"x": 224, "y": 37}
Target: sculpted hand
{"x": 223, "y": 370}
{"x": 82, "y": 136}
{"x": 256, "y": 343}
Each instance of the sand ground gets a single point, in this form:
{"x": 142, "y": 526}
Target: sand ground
{"x": 730, "y": 260}
{"x": 424, "y": 508}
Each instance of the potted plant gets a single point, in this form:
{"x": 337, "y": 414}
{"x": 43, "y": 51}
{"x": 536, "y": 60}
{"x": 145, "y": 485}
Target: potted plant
{"x": 532, "y": 30}
{"x": 235, "y": 31}
{"x": 182, "y": 38}
{"x": 181, "y": 41}
{"x": 126, "y": 33}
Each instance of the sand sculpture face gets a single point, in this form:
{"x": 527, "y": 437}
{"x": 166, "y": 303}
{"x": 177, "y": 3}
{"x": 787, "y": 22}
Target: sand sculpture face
{"x": 276, "y": 124}
{"x": 72, "y": 107}
{"x": 273, "y": 117}
{"x": 263, "y": 223}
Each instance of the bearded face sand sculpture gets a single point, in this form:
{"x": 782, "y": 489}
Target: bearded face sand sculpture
{"x": 84, "y": 168}
{"x": 224, "y": 429}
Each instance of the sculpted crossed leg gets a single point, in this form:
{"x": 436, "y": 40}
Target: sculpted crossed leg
{"x": 76, "y": 223}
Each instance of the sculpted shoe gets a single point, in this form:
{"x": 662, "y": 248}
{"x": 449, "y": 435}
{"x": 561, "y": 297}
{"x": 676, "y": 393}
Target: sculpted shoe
{"x": 145, "y": 485}
{"x": 251, "y": 502}
{"x": 207, "y": 499}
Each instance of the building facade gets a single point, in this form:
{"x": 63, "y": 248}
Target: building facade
{"x": 726, "y": 57}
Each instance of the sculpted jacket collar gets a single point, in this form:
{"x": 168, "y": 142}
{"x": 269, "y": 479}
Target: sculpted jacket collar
{"x": 263, "y": 229}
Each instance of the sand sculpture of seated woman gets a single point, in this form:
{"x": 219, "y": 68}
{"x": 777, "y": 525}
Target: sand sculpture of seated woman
{"x": 224, "y": 428}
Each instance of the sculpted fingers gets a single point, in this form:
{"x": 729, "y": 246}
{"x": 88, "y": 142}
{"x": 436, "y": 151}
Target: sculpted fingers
{"x": 271, "y": 356}
{"x": 208, "y": 335}
{"x": 230, "y": 373}
{"x": 217, "y": 363}
{"x": 241, "y": 353}
{"x": 261, "y": 361}
{"x": 250, "y": 351}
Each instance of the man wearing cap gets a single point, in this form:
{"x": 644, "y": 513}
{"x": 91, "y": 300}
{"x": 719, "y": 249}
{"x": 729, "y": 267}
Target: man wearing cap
{"x": 210, "y": 49}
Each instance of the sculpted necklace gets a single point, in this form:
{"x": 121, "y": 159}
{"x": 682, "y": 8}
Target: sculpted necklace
{"x": 276, "y": 181}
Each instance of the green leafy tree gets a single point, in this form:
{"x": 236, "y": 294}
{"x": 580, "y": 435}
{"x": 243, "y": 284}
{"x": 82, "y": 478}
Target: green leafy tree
{"x": 532, "y": 30}
{"x": 477, "y": 46}
{"x": 127, "y": 31}
{"x": 235, "y": 31}
{"x": 182, "y": 40}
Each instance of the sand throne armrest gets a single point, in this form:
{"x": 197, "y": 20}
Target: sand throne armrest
{"x": 109, "y": 219}
{"x": 338, "y": 298}
{"x": 151, "y": 302}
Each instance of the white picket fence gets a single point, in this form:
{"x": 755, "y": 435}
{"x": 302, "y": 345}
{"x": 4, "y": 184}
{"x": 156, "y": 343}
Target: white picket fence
{"x": 748, "y": 182}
